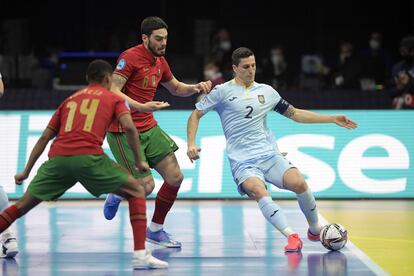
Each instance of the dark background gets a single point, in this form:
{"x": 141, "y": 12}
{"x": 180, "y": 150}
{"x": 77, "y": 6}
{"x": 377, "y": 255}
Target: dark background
{"x": 303, "y": 27}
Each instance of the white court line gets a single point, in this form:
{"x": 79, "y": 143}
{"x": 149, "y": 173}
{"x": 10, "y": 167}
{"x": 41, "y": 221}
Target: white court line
{"x": 360, "y": 254}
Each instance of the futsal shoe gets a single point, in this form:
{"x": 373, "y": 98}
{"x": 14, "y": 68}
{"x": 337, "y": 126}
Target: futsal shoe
{"x": 294, "y": 243}
{"x": 162, "y": 238}
{"x": 111, "y": 206}
{"x": 9, "y": 248}
{"x": 147, "y": 262}
{"x": 313, "y": 237}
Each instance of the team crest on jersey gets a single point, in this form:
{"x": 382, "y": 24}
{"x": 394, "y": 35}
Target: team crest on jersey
{"x": 121, "y": 64}
{"x": 159, "y": 71}
{"x": 261, "y": 99}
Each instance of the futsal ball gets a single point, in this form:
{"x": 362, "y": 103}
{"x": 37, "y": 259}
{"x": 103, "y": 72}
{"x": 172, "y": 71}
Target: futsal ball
{"x": 333, "y": 236}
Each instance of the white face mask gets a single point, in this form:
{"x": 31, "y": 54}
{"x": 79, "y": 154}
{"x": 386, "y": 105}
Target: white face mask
{"x": 209, "y": 74}
{"x": 276, "y": 59}
{"x": 374, "y": 44}
{"x": 225, "y": 45}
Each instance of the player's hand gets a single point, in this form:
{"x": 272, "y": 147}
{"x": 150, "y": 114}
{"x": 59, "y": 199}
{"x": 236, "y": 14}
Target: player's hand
{"x": 142, "y": 167}
{"x": 153, "y": 106}
{"x": 203, "y": 87}
{"x": 345, "y": 122}
{"x": 20, "y": 177}
{"x": 192, "y": 152}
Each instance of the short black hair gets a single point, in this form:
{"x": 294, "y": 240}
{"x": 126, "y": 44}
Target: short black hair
{"x": 408, "y": 42}
{"x": 97, "y": 70}
{"x": 239, "y": 53}
{"x": 149, "y": 24}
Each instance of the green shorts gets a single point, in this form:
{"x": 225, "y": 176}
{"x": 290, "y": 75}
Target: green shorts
{"x": 97, "y": 173}
{"x": 155, "y": 146}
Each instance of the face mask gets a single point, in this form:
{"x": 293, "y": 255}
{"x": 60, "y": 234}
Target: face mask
{"x": 225, "y": 45}
{"x": 374, "y": 44}
{"x": 209, "y": 74}
{"x": 276, "y": 59}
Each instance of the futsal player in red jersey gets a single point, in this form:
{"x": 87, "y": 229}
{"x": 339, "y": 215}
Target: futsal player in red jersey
{"x": 76, "y": 155}
{"x": 138, "y": 73}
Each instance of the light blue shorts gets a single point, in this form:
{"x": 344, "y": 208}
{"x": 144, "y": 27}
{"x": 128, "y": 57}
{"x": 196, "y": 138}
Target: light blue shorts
{"x": 269, "y": 169}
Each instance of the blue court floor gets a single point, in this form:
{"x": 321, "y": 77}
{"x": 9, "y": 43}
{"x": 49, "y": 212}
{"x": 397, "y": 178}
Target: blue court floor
{"x": 219, "y": 238}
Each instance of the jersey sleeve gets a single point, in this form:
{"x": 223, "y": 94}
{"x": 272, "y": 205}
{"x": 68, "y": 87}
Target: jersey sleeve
{"x": 121, "y": 108}
{"x": 54, "y": 122}
{"x": 125, "y": 65}
{"x": 210, "y": 101}
{"x": 166, "y": 71}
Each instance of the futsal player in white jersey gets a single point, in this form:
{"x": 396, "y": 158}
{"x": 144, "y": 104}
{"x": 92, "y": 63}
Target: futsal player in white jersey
{"x": 242, "y": 105}
{"x": 8, "y": 241}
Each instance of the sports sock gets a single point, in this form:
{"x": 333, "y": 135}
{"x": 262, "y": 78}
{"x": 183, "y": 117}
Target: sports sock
{"x": 8, "y": 216}
{"x": 274, "y": 214}
{"x": 137, "y": 215}
{"x": 163, "y": 202}
{"x": 308, "y": 206}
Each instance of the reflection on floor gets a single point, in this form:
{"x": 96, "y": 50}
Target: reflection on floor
{"x": 219, "y": 238}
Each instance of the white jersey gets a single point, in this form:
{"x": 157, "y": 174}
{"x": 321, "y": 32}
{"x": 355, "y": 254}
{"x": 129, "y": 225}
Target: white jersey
{"x": 243, "y": 112}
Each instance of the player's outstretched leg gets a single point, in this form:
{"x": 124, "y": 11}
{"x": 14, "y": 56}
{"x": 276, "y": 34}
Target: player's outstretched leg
{"x": 9, "y": 246}
{"x": 155, "y": 233}
{"x": 255, "y": 188}
{"x": 295, "y": 182}
{"x": 9, "y": 215}
{"x": 111, "y": 205}
{"x": 135, "y": 193}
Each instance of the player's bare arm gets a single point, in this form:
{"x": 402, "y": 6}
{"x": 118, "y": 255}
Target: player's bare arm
{"x": 181, "y": 89}
{"x": 118, "y": 83}
{"x": 309, "y": 117}
{"x": 47, "y": 135}
{"x": 133, "y": 140}
{"x": 192, "y": 126}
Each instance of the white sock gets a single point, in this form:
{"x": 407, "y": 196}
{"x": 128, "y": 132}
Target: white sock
{"x": 273, "y": 214}
{"x": 155, "y": 227}
{"x": 140, "y": 253}
{"x": 308, "y": 206}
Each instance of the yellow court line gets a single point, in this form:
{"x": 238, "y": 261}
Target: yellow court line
{"x": 380, "y": 239}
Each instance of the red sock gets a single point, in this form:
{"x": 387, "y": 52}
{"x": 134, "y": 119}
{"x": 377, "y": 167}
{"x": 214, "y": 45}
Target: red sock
{"x": 163, "y": 202}
{"x": 8, "y": 216}
{"x": 138, "y": 217}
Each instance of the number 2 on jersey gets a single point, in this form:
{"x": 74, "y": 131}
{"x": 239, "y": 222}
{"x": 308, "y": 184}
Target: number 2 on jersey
{"x": 249, "y": 114}
{"x": 89, "y": 110}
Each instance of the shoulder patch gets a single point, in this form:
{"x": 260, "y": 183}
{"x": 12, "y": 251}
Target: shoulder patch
{"x": 121, "y": 64}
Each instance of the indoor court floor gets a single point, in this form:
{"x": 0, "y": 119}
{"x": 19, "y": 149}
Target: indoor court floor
{"x": 219, "y": 238}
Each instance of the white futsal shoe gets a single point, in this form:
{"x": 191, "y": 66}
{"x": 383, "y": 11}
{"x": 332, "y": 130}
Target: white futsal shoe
{"x": 147, "y": 261}
{"x": 9, "y": 247}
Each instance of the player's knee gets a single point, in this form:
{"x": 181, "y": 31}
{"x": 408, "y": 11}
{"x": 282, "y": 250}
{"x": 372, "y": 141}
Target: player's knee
{"x": 137, "y": 189}
{"x": 257, "y": 192}
{"x": 176, "y": 178}
{"x": 149, "y": 186}
{"x": 298, "y": 185}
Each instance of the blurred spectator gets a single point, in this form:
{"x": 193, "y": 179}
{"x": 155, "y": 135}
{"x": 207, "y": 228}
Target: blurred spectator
{"x": 221, "y": 52}
{"x": 375, "y": 61}
{"x": 314, "y": 73}
{"x": 346, "y": 73}
{"x": 275, "y": 69}
{"x": 403, "y": 76}
{"x": 45, "y": 69}
{"x": 212, "y": 72}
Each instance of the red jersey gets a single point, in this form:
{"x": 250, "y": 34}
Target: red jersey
{"x": 143, "y": 72}
{"x": 82, "y": 120}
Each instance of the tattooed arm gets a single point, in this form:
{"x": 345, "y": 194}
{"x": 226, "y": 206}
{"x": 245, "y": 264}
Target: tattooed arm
{"x": 118, "y": 83}
{"x": 309, "y": 117}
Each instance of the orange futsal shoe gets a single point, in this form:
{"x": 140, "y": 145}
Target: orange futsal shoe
{"x": 294, "y": 244}
{"x": 313, "y": 237}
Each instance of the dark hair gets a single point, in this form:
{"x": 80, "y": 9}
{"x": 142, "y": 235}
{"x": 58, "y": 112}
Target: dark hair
{"x": 97, "y": 70}
{"x": 240, "y": 53}
{"x": 408, "y": 42}
{"x": 152, "y": 23}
